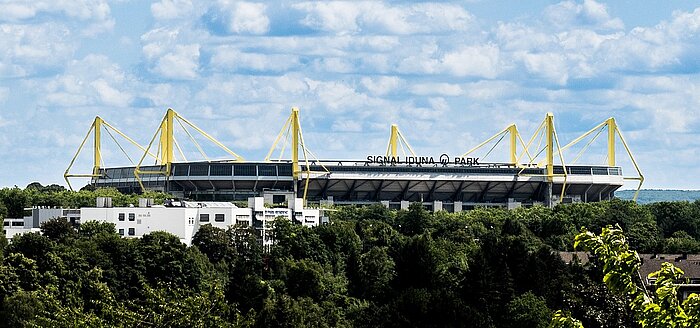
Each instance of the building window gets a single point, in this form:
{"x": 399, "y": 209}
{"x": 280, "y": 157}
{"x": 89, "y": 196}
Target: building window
{"x": 132, "y": 216}
{"x": 121, "y": 216}
{"x": 18, "y": 223}
{"x": 204, "y": 218}
{"x": 219, "y": 217}
{"x": 132, "y": 231}
{"x": 242, "y": 223}
{"x": 121, "y": 232}
{"x": 6, "y": 223}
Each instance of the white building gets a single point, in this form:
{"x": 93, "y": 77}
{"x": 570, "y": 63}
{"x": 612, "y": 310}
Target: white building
{"x": 35, "y": 216}
{"x": 183, "y": 219}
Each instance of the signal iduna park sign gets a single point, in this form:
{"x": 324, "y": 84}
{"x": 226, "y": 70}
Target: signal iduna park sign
{"x": 444, "y": 159}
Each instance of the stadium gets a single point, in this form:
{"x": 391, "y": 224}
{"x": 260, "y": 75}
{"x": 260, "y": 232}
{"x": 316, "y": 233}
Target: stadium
{"x": 536, "y": 173}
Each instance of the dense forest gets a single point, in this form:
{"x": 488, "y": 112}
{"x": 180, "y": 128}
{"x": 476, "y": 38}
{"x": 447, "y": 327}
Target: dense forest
{"x": 369, "y": 267}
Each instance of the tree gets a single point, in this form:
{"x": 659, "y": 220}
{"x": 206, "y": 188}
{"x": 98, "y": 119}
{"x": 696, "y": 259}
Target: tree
{"x": 166, "y": 260}
{"x": 528, "y": 310}
{"x": 212, "y": 241}
{"x": 58, "y": 230}
{"x": 375, "y": 274}
{"x": 658, "y": 308}
{"x": 92, "y": 229}
{"x": 15, "y": 201}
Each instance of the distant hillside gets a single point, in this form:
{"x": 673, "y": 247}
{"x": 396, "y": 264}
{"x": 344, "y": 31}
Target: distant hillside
{"x": 654, "y": 195}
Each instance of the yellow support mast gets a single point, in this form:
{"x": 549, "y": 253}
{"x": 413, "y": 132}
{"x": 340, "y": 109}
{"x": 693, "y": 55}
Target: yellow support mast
{"x": 98, "y": 124}
{"x": 167, "y": 144}
{"x": 294, "y": 120}
{"x": 97, "y": 145}
{"x": 514, "y": 138}
{"x": 548, "y": 132}
{"x": 393, "y": 140}
{"x": 293, "y": 126}
{"x": 397, "y": 139}
{"x": 513, "y": 132}
{"x": 549, "y": 153}
{"x": 612, "y": 127}
{"x": 613, "y": 132}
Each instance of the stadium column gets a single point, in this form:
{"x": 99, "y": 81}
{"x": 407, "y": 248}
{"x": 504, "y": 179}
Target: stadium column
{"x": 549, "y": 122}
{"x": 393, "y": 140}
{"x": 612, "y": 127}
{"x": 98, "y": 142}
{"x": 295, "y": 143}
{"x": 513, "y": 130}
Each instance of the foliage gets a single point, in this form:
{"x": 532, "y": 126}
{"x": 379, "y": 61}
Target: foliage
{"x": 369, "y": 267}
{"x": 658, "y": 308}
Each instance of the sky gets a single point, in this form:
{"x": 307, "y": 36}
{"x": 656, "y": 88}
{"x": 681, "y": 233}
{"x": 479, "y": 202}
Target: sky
{"x": 449, "y": 73}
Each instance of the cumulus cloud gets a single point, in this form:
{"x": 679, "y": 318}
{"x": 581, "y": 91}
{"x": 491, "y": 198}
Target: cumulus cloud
{"x": 479, "y": 60}
{"x": 96, "y": 13}
{"x": 29, "y": 49}
{"x": 444, "y": 89}
{"x": 93, "y": 80}
{"x": 171, "y": 9}
{"x": 590, "y": 13}
{"x": 238, "y": 17}
{"x": 381, "y": 85}
{"x": 375, "y": 17}
{"x": 230, "y": 58}
{"x": 168, "y": 57}
{"x": 182, "y": 62}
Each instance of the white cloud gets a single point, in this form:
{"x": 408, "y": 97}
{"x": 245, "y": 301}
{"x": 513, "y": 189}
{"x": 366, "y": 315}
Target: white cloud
{"x": 230, "y": 58}
{"x": 171, "y": 9}
{"x": 180, "y": 63}
{"x": 479, "y": 61}
{"x": 109, "y": 95}
{"x": 381, "y": 85}
{"x": 569, "y": 14}
{"x": 96, "y": 13}
{"x": 552, "y": 67}
{"x": 344, "y": 17}
{"x": 28, "y": 49}
{"x": 241, "y": 17}
{"x": 444, "y": 89}
{"x": 94, "y": 80}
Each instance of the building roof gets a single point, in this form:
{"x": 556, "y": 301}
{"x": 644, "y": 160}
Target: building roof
{"x": 689, "y": 263}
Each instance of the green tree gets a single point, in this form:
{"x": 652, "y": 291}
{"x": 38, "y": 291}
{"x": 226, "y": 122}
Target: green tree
{"x": 15, "y": 200}
{"x": 58, "y": 230}
{"x": 375, "y": 274}
{"x": 658, "y": 308}
{"x": 92, "y": 229}
{"x": 213, "y": 242}
{"x": 528, "y": 310}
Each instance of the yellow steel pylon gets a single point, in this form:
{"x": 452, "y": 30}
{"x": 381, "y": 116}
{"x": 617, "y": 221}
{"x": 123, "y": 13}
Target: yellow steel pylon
{"x": 514, "y": 138}
{"x": 293, "y": 127}
{"x": 613, "y": 132}
{"x": 396, "y": 139}
{"x": 98, "y": 124}
{"x": 167, "y": 143}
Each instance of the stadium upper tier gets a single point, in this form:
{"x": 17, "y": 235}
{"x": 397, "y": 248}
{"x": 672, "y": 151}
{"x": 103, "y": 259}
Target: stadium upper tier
{"x": 357, "y": 182}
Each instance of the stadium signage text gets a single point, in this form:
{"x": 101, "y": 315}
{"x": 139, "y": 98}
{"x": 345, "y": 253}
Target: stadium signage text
{"x": 444, "y": 159}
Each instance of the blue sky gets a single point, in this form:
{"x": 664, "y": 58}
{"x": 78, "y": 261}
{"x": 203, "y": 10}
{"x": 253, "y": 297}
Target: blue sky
{"x": 451, "y": 74}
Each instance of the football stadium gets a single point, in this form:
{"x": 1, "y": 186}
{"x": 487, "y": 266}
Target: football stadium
{"x": 537, "y": 172}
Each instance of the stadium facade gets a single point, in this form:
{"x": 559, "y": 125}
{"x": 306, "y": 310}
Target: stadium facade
{"x": 534, "y": 174}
